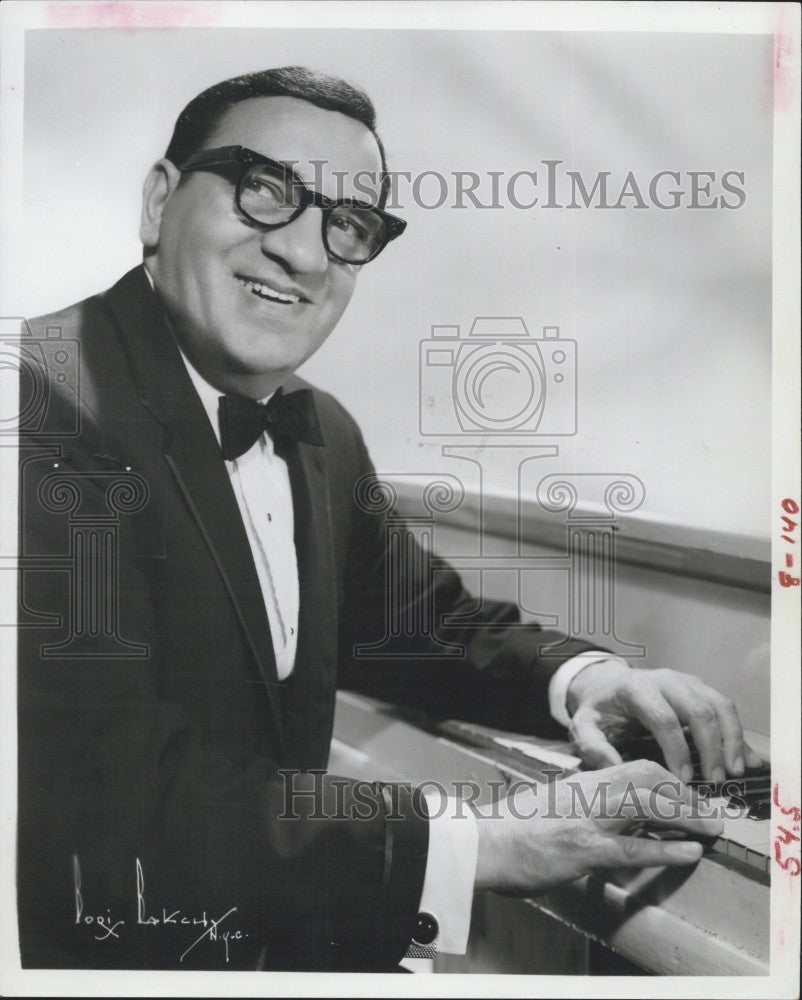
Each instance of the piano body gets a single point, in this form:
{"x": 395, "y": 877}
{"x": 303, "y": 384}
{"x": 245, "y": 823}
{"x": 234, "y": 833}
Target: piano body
{"x": 662, "y": 596}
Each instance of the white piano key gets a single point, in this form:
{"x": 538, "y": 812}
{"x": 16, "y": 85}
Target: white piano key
{"x": 539, "y": 753}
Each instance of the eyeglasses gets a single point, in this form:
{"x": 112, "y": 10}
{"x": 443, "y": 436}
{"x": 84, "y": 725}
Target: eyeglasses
{"x": 272, "y": 195}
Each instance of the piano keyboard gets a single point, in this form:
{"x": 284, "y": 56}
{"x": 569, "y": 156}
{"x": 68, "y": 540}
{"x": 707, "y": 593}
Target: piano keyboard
{"x": 743, "y": 803}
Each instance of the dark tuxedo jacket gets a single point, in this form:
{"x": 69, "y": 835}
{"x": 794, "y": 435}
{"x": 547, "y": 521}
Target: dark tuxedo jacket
{"x": 153, "y": 729}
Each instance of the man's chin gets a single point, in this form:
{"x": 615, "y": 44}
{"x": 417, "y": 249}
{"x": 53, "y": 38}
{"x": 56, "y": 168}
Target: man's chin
{"x": 259, "y": 377}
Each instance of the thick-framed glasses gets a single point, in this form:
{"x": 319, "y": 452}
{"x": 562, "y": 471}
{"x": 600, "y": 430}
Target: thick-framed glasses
{"x": 272, "y": 195}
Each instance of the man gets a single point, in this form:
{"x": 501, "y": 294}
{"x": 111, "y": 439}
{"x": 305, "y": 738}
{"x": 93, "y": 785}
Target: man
{"x": 196, "y": 573}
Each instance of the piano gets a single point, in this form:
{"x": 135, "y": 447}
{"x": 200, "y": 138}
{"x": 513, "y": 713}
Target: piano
{"x": 702, "y": 598}
{"x": 711, "y": 919}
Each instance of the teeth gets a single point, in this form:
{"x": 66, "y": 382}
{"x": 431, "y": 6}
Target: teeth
{"x": 269, "y": 293}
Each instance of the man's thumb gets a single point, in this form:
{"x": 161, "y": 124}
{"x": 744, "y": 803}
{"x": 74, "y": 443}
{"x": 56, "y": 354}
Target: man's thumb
{"x": 594, "y": 747}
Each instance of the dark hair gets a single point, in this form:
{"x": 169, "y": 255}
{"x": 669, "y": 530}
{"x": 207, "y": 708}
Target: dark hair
{"x": 199, "y": 119}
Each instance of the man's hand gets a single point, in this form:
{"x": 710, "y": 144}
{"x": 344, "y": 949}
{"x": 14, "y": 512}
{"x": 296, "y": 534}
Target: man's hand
{"x": 548, "y": 834}
{"x": 606, "y": 696}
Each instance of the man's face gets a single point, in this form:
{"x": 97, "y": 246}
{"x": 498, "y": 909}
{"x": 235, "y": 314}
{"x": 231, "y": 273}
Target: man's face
{"x": 207, "y": 259}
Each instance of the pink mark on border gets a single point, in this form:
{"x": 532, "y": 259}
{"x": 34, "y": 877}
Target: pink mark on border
{"x": 121, "y": 14}
{"x": 786, "y": 73}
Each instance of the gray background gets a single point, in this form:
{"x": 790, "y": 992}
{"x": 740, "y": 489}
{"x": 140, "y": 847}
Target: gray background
{"x": 671, "y": 309}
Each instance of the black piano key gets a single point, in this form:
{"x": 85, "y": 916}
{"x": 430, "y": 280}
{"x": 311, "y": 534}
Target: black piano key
{"x": 646, "y": 746}
{"x": 760, "y": 810}
{"x": 756, "y": 787}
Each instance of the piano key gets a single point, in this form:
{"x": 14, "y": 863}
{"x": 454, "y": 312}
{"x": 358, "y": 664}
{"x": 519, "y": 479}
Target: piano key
{"x": 760, "y": 810}
{"x": 540, "y": 753}
{"x": 739, "y": 829}
{"x": 734, "y": 786}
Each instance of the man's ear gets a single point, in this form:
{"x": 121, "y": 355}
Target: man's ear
{"x": 161, "y": 181}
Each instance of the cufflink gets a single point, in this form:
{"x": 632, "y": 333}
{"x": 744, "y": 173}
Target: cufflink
{"x": 423, "y": 937}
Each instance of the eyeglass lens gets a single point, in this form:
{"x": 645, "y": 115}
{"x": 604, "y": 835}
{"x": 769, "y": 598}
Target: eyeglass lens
{"x": 273, "y": 197}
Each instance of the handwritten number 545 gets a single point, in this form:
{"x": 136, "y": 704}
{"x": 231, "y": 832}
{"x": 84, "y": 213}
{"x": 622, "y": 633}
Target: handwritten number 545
{"x": 784, "y": 836}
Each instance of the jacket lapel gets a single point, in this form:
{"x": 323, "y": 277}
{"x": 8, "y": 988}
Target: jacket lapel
{"x": 193, "y": 455}
{"x": 310, "y": 689}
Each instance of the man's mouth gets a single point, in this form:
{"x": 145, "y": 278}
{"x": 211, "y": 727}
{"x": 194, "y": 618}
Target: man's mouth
{"x": 263, "y": 291}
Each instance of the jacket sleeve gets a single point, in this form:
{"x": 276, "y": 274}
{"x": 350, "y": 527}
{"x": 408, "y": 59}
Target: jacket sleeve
{"x": 136, "y": 815}
{"x": 434, "y": 647}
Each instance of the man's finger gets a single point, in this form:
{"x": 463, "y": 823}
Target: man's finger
{"x": 652, "y": 710}
{"x": 699, "y": 819}
{"x": 753, "y": 759}
{"x": 634, "y": 852}
{"x": 696, "y": 709}
{"x": 729, "y": 725}
{"x": 594, "y": 747}
{"x": 633, "y": 775}
{"x": 731, "y": 730}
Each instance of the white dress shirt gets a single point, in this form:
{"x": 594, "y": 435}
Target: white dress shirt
{"x": 261, "y": 483}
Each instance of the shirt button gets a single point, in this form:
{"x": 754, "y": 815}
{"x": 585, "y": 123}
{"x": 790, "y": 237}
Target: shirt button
{"x": 426, "y": 929}
{"x": 269, "y": 516}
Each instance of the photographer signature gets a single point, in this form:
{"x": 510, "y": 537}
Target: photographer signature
{"x": 108, "y": 927}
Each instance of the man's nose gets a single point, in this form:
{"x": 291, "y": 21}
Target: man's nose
{"x": 299, "y": 244}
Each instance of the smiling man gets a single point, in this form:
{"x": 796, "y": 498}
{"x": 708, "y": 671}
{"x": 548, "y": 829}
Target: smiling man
{"x": 220, "y": 573}
{"x": 250, "y": 302}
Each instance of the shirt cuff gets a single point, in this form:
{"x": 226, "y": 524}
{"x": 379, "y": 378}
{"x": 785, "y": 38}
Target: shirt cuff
{"x": 561, "y": 679}
{"x": 450, "y": 870}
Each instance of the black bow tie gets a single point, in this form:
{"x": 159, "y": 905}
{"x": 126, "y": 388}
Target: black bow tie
{"x": 243, "y": 421}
